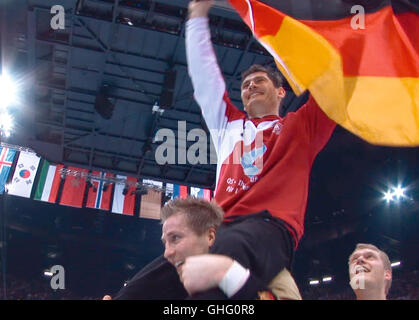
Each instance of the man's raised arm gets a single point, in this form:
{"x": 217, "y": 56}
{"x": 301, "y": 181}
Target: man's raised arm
{"x": 207, "y": 80}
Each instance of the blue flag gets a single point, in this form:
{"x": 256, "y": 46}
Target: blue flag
{"x": 6, "y": 161}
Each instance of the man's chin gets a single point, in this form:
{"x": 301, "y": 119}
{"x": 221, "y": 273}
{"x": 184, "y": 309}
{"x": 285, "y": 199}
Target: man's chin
{"x": 256, "y": 108}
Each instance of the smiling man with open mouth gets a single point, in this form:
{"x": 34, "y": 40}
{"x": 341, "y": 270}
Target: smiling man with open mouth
{"x": 369, "y": 272}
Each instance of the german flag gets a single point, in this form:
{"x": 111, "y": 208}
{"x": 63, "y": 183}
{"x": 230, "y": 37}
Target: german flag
{"x": 359, "y": 59}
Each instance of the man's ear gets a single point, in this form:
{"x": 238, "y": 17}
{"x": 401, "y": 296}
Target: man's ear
{"x": 388, "y": 274}
{"x": 281, "y": 92}
{"x": 211, "y": 236}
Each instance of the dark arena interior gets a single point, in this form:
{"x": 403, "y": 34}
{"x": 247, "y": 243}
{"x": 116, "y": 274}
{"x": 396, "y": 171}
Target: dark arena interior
{"x": 93, "y": 95}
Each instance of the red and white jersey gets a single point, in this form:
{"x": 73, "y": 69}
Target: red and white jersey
{"x": 262, "y": 163}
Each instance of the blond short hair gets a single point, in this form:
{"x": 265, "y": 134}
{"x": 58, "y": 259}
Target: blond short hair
{"x": 383, "y": 256}
{"x": 200, "y": 214}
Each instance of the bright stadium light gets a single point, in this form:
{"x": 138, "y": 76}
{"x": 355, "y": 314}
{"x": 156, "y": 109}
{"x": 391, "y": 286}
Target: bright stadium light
{"x": 395, "y": 193}
{"x": 6, "y": 124}
{"x": 396, "y": 264}
{"x": 48, "y": 273}
{"x": 388, "y": 196}
{"x": 327, "y": 279}
{"x": 399, "y": 192}
{"x": 7, "y": 91}
{"x": 314, "y": 282}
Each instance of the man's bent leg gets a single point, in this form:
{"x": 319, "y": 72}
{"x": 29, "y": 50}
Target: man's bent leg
{"x": 257, "y": 243}
{"x": 284, "y": 287}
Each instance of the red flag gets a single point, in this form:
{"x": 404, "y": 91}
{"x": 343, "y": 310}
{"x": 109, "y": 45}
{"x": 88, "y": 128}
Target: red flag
{"x": 364, "y": 77}
{"x": 74, "y": 186}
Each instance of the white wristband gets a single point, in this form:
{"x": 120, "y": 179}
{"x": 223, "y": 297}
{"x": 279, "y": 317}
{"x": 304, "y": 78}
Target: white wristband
{"x": 234, "y": 279}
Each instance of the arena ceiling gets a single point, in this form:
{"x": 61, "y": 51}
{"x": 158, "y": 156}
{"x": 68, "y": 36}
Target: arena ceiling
{"x": 130, "y": 55}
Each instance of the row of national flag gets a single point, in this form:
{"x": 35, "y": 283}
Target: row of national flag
{"x": 41, "y": 180}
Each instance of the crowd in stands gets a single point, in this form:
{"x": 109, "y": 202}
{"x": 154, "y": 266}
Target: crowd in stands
{"x": 327, "y": 293}
{"x": 19, "y": 289}
{"x": 405, "y": 286}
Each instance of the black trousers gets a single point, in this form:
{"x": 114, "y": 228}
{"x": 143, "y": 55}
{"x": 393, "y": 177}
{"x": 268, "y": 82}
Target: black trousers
{"x": 258, "y": 241}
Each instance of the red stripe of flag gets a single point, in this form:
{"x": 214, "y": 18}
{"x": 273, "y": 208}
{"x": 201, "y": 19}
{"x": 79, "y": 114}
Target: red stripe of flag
{"x": 207, "y": 194}
{"x": 55, "y": 184}
{"x": 382, "y": 42}
{"x": 129, "y": 202}
{"x": 107, "y": 195}
{"x": 183, "y": 192}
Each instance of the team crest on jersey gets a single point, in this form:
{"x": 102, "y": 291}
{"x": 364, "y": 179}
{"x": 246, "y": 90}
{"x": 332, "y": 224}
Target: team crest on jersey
{"x": 277, "y": 128}
{"x": 248, "y": 160}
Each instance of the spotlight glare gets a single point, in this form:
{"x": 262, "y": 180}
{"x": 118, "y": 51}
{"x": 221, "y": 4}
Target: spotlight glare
{"x": 326, "y": 279}
{"x": 314, "y": 282}
{"x": 6, "y": 123}
{"x": 388, "y": 196}
{"x": 399, "y": 192}
{"x": 48, "y": 273}
{"x": 396, "y": 264}
{"x": 7, "y": 91}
